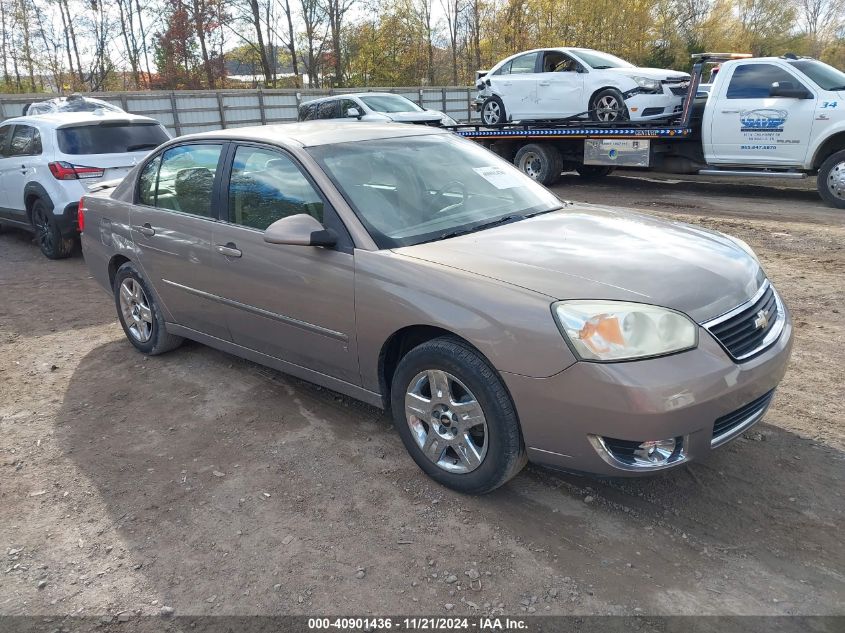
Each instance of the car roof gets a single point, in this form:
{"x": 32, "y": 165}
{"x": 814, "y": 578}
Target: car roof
{"x": 312, "y": 133}
{"x": 61, "y": 119}
{"x": 347, "y": 95}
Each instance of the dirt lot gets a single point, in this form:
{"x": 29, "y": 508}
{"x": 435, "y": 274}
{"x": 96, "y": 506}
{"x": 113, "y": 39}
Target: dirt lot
{"x": 211, "y": 485}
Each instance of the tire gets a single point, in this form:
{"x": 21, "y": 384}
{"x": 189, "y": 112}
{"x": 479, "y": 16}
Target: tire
{"x": 593, "y": 172}
{"x": 602, "y": 106}
{"x": 540, "y": 161}
{"x": 831, "y": 180}
{"x": 493, "y": 111}
{"x": 139, "y": 314}
{"x": 493, "y": 450}
{"x": 50, "y": 239}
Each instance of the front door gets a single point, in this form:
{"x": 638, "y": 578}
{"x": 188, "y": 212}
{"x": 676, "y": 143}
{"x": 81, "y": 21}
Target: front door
{"x": 172, "y": 227}
{"x": 750, "y": 127}
{"x": 295, "y": 303}
{"x": 560, "y": 87}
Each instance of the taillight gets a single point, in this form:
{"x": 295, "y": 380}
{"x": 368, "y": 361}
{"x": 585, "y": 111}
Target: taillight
{"x": 80, "y": 215}
{"x": 62, "y": 170}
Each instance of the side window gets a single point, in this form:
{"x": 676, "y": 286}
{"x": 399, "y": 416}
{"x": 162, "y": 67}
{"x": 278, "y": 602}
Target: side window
{"x": 4, "y": 137}
{"x": 307, "y": 111}
{"x": 754, "y": 81}
{"x": 524, "y": 64}
{"x": 349, "y": 103}
{"x": 327, "y": 110}
{"x": 147, "y": 182}
{"x": 26, "y": 141}
{"x": 266, "y": 186}
{"x": 505, "y": 69}
{"x": 186, "y": 179}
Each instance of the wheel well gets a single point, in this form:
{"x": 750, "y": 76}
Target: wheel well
{"x": 399, "y": 344}
{"x": 28, "y": 201}
{"x": 830, "y": 146}
{"x": 593, "y": 96}
{"x": 116, "y": 262}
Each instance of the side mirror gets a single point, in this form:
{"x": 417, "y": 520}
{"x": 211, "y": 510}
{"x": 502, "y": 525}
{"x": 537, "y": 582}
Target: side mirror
{"x": 788, "y": 90}
{"x": 353, "y": 113}
{"x": 299, "y": 230}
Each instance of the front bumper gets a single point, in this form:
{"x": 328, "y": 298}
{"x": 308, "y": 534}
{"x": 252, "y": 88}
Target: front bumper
{"x": 679, "y": 396}
{"x": 644, "y": 106}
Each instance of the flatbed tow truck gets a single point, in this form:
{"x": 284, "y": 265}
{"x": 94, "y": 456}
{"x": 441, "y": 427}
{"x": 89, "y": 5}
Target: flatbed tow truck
{"x": 769, "y": 117}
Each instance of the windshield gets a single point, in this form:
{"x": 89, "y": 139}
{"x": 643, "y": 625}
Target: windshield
{"x": 599, "y": 61}
{"x": 826, "y": 77}
{"x": 390, "y": 103}
{"x": 418, "y": 189}
{"x": 111, "y": 138}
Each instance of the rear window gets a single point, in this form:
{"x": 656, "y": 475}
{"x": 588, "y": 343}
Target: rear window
{"x": 110, "y": 139}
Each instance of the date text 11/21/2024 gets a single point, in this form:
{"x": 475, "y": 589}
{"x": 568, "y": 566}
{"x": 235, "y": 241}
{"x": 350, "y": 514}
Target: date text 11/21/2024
{"x": 419, "y": 623}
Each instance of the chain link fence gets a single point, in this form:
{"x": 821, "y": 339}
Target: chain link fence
{"x": 190, "y": 111}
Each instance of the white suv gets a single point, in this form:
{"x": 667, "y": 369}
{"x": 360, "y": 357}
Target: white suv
{"x": 49, "y": 161}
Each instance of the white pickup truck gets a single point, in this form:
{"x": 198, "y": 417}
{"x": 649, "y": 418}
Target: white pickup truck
{"x": 778, "y": 117}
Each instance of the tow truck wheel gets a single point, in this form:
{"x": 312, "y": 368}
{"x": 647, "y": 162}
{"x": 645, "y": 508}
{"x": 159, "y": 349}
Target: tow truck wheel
{"x": 593, "y": 172}
{"x": 831, "y": 180}
{"x": 608, "y": 105}
{"x": 540, "y": 161}
{"x": 493, "y": 111}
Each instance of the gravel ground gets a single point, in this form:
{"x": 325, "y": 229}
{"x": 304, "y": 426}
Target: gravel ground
{"x": 210, "y": 485}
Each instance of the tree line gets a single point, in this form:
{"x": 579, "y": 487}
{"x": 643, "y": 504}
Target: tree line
{"x": 92, "y": 45}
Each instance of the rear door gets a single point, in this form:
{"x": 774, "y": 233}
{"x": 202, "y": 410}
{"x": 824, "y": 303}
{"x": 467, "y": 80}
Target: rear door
{"x": 295, "y": 303}
{"x": 5, "y": 134}
{"x": 172, "y": 224}
{"x": 21, "y": 167}
{"x": 516, "y": 84}
{"x": 560, "y": 86}
{"x": 750, "y": 127}
{"x": 113, "y": 146}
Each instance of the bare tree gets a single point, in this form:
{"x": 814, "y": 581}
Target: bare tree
{"x": 336, "y": 11}
{"x": 822, "y": 19}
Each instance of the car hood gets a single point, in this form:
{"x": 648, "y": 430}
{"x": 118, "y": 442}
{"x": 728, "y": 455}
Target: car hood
{"x": 414, "y": 117}
{"x": 587, "y": 252}
{"x": 649, "y": 73}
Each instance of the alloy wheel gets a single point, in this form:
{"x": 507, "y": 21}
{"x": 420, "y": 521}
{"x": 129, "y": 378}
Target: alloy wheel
{"x": 608, "y": 108}
{"x": 492, "y": 113}
{"x": 446, "y": 421}
{"x": 135, "y": 309}
{"x": 43, "y": 231}
{"x": 836, "y": 180}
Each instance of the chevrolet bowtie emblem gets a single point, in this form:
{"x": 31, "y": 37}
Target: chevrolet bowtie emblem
{"x": 762, "y": 320}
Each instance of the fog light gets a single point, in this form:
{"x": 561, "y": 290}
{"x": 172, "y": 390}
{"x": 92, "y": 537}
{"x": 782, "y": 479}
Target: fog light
{"x": 656, "y": 451}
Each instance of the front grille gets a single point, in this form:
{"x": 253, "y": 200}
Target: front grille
{"x": 744, "y": 331}
{"x": 679, "y": 91}
{"x": 727, "y": 423}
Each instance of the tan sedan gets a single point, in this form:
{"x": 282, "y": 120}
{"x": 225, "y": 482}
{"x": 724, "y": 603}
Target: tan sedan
{"x": 415, "y": 270}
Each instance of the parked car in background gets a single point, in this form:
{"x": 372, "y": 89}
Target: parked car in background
{"x": 372, "y": 106}
{"x": 558, "y": 83}
{"x": 49, "y": 161}
{"x": 415, "y": 270}
{"x": 71, "y": 103}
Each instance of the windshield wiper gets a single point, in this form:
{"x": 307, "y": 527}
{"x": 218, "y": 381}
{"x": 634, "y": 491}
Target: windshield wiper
{"x": 508, "y": 219}
{"x": 135, "y": 148}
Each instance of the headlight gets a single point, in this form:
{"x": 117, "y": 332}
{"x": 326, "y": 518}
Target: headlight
{"x": 652, "y": 85}
{"x": 617, "y": 330}
{"x": 447, "y": 120}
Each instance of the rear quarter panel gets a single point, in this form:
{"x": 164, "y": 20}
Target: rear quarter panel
{"x": 106, "y": 235}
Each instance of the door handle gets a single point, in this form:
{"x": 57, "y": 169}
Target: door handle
{"x": 145, "y": 229}
{"x": 229, "y": 249}
{"x": 730, "y": 111}
{"x": 545, "y": 83}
